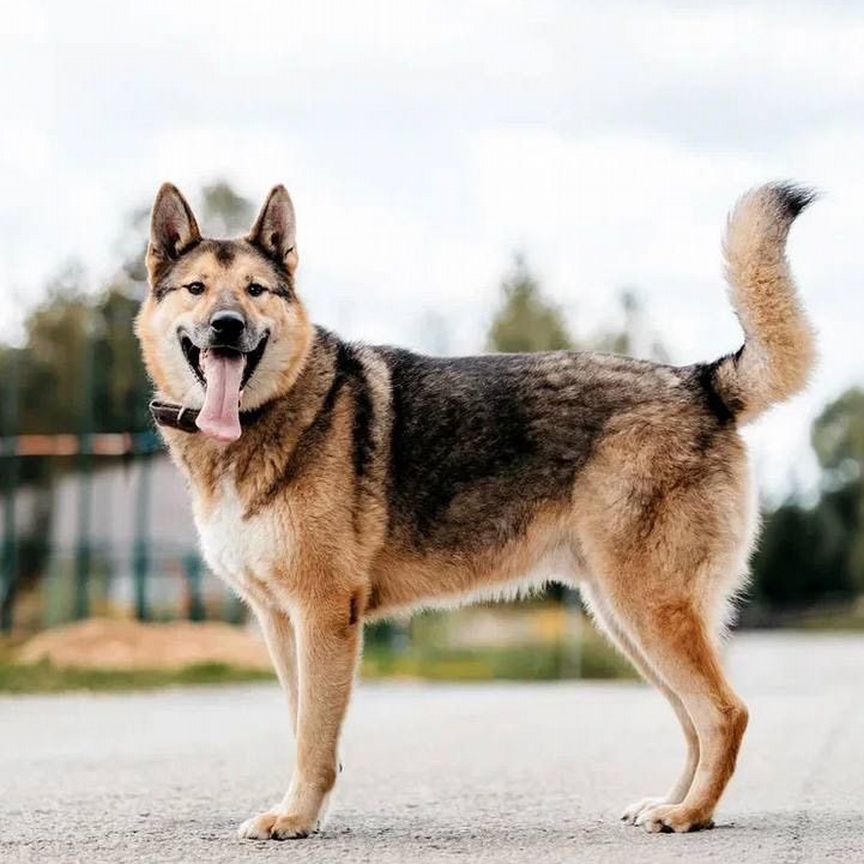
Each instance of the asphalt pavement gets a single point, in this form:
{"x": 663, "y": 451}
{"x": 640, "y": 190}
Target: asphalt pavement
{"x": 503, "y": 773}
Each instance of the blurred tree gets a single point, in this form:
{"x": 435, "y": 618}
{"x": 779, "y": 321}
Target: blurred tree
{"x": 224, "y": 212}
{"x": 838, "y": 435}
{"x": 810, "y": 555}
{"x": 838, "y": 439}
{"x": 803, "y": 555}
{"x": 526, "y": 321}
{"x": 60, "y": 332}
{"x": 51, "y": 362}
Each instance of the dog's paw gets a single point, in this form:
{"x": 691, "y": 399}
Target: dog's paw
{"x": 274, "y": 825}
{"x": 290, "y": 827}
{"x": 637, "y": 808}
{"x": 673, "y": 818}
{"x": 258, "y": 827}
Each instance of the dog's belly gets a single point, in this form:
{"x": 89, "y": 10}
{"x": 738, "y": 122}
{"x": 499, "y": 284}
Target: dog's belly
{"x": 403, "y": 581}
{"x": 248, "y": 553}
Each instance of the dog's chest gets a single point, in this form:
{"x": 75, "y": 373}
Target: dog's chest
{"x": 242, "y": 550}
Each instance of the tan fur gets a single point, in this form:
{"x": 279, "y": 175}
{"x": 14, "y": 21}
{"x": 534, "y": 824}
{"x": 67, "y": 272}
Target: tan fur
{"x": 659, "y": 579}
{"x": 657, "y": 527}
{"x": 780, "y": 351}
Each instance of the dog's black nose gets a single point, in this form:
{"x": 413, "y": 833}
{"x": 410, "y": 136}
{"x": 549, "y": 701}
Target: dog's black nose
{"x": 227, "y": 326}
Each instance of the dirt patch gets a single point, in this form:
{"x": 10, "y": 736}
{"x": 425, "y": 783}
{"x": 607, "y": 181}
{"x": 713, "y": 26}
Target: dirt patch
{"x": 101, "y": 643}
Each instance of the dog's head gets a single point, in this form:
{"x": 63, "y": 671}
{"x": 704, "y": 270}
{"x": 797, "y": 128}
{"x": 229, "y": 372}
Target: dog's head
{"x": 221, "y": 328}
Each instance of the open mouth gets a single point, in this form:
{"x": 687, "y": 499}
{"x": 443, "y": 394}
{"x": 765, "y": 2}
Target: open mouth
{"x": 251, "y": 359}
{"x": 223, "y": 373}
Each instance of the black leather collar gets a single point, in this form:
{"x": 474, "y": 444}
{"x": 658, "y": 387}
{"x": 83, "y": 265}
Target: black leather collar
{"x": 174, "y": 416}
{"x": 177, "y": 417}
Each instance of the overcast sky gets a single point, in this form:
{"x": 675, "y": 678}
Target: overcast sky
{"x": 424, "y": 143}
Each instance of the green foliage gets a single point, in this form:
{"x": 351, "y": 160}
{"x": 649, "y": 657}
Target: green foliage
{"x": 526, "y": 321}
{"x": 534, "y": 662}
{"x": 224, "y": 212}
{"x": 804, "y": 555}
{"x": 838, "y": 434}
{"x": 811, "y": 555}
{"x": 47, "y": 678}
{"x": 81, "y": 346}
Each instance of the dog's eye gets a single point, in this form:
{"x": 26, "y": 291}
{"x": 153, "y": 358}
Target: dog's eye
{"x": 255, "y": 290}
{"x": 195, "y": 288}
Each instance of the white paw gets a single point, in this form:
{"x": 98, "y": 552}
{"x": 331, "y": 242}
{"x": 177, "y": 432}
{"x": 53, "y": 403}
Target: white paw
{"x": 677, "y": 818}
{"x": 635, "y": 810}
{"x": 258, "y": 827}
{"x": 276, "y": 825}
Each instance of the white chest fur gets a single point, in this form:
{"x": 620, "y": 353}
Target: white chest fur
{"x": 242, "y": 550}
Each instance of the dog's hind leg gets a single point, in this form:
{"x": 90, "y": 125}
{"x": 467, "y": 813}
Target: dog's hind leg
{"x": 674, "y": 636}
{"x": 606, "y": 621}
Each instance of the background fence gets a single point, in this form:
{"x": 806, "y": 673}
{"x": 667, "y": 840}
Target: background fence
{"x": 102, "y": 526}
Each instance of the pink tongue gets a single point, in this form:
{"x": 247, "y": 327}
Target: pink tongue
{"x": 220, "y": 416}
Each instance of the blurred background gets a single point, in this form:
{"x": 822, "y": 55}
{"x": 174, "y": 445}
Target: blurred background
{"x": 467, "y": 177}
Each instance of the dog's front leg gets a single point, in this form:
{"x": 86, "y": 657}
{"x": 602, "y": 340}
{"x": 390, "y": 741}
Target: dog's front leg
{"x": 278, "y": 633}
{"x": 328, "y": 645}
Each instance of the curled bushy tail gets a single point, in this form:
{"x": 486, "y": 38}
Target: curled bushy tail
{"x": 779, "y": 349}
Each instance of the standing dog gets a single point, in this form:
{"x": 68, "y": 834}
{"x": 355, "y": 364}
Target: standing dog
{"x": 336, "y": 482}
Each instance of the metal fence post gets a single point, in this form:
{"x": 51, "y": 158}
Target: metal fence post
{"x": 140, "y": 555}
{"x": 10, "y": 483}
{"x": 83, "y": 554}
{"x": 192, "y": 566}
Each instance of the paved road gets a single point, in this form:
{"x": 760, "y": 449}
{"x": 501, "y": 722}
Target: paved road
{"x": 436, "y": 773}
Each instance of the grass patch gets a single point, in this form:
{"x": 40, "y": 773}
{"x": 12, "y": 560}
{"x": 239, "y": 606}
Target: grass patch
{"x": 46, "y": 678}
{"x": 528, "y": 663}
{"x": 523, "y": 663}
{"x": 519, "y": 663}
{"x": 591, "y": 658}
{"x": 851, "y": 622}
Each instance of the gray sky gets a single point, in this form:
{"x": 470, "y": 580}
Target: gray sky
{"x": 423, "y": 143}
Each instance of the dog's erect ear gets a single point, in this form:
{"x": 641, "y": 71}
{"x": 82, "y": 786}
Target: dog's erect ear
{"x": 173, "y": 228}
{"x": 273, "y": 231}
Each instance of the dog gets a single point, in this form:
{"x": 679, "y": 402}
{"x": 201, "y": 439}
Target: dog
{"x": 334, "y": 483}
